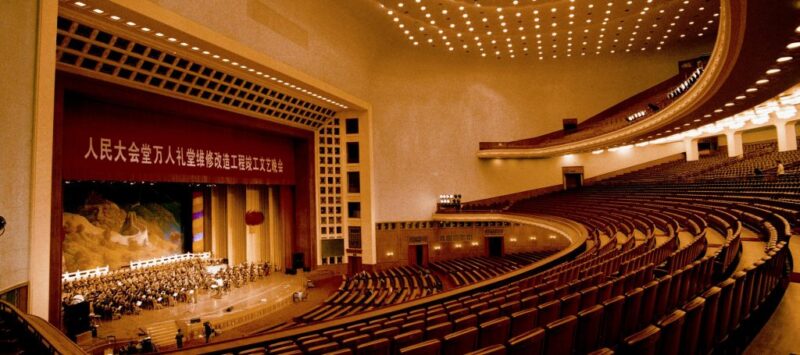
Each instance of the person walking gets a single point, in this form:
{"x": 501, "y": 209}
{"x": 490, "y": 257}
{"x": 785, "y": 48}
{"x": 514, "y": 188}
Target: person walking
{"x": 179, "y": 339}
{"x": 208, "y": 330}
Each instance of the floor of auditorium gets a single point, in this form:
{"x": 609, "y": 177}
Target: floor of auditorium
{"x": 161, "y": 324}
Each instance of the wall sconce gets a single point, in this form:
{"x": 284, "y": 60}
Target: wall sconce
{"x": 552, "y": 237}
{"x": 512, "y": 239}
{"x": 458, "y": 246}
{"x": 389, "y": 253}
{"x": 437, "y": 247}
{"x": 532, "y": 238}
{"x": 474, "y": 244}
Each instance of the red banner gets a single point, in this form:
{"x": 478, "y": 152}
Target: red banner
{"x": 110, "y": 143}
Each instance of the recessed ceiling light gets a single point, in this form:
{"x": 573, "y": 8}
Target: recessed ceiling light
{"x": 114, "y": 17}
{"x": 79, "y": 4}
{"x": 741, "y": 97}
{"x": 773, "y": 71}
{"x": 793, "y": 45}
{"x": 784, "y": 59}
{"x": 762, "y": 81}
{"x": 751, "y": 90}
{"x": 98, "y": 11}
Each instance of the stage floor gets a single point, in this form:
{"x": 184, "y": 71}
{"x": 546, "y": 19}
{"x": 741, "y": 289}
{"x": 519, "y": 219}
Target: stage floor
{"x": 262, "y": 291}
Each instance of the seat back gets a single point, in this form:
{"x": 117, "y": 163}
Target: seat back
{"x": 524, "y": 320}
{"x": 662, "y": 298}
{"x": 497, "y": 349}
{"x": 560, "y": 335}
{"x": 707, "y": 329}
{"x": 642, "y": 342}
{"x": 527, "y": 343}
{"x": 570, "y": 304}
{"x": 461, "y": 341}
{"x": 405, "y": 339}
{"x": 438, "y": 331}
{"x": 649, "y": 296}
{"x": 724, "y": 309}
{"x": 588, "y": 297}
{"x": 590, "y": 326}
{"x": 381, "y": 346}
{"x": 671, "y": 330}
{"x": 693, "y": 321}
{"x": 633, "y": 306}
{"x": 549, "y": 311}
{"x": 428, "y": 347}
{"x": 612, "y": 320}
{"x": 470, "y": 320}
{"x": 495, "y": 331}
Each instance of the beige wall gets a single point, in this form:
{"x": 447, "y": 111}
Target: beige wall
{"x": 431, "y": 108}
{"x": 18, "y": 31}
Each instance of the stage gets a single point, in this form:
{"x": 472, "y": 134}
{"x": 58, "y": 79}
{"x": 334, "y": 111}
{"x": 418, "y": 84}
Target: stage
{"x": 254, "y": 301}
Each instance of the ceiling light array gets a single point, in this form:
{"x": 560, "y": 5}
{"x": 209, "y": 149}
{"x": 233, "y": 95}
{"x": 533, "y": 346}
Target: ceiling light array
{"x": 783, "y": 107}
{"x": 559, "y": 29}
{"x": 233, "y": 63}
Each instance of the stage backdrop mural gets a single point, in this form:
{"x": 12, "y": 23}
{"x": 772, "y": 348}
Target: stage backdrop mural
{"x": 114, "y": 224}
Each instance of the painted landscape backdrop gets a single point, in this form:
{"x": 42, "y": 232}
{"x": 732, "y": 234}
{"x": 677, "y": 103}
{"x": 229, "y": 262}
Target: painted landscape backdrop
{"x": 116, "y": 223}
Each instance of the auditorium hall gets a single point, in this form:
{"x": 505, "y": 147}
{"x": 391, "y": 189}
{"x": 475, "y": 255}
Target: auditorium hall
{"x": 416, "y": 177}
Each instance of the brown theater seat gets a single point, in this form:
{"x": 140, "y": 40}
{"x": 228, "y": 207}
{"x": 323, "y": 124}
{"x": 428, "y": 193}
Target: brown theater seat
{"x": 524, "y": 321}
{"x": 323, "y": 348}
{"x": 662, "y": 300}
{"x": 642, "y": 342}
{"x": 693, "y": 321}
{"x": 588, "y": 297}
{"x": 707, "y": 329}
{"x": 671, "y": 331}
{"x": 560, "y": 335}
{"x": 724, "y": 309}
{"x": 508, "y": 308}
{"x": 549, "y": 311}
{"x": 380, "y": 346}
{"x": 488, "y": 314}
{"x": 460, "y": 342}
{"x": 497, "y": 349}
{"x": 342, "y": 351}
{"x": 467, "y": 321}
{"x": 612, "y": 320}
{"x": 570, "y": 304}
{"x": 632, "y": 309}
{"x": 528, "y": 343}
{"x": 590, "y": 323}
{"x": 429, "y": 347}
{"x": 494, "y": 331}
{"x": 404, "y": 339}
{"x": 354, "y": 341}
{"x": 649, "y": 296}
{"x": 386, "y": 333}
{"x": 438, "y": 331}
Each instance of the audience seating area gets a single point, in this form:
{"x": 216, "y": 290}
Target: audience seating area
{"x": 369, "y": 290}
{"x": 762, "y": 155}
{"x": 650, "y": 281}
{"x": 464, "y": 271}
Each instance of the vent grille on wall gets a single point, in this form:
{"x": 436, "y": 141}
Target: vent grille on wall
{"x": 101, "y": 54}
{"x": 330, "y": 180}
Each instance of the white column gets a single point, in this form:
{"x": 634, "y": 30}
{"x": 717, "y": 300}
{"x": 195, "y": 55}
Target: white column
{"x": 735, "y": 147}
{"x": 690, "y": 146}
{"x": 787, "y": 136}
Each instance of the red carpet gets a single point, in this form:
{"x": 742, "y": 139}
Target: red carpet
{"x": 794, "y": 277}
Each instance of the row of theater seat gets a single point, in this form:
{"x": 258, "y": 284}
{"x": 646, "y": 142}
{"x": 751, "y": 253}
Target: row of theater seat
{"x": 464, "y": 271}
{"x": 679, "y": 313}
{"x": 370, "y": 290}
{"x": 643, "y": 290}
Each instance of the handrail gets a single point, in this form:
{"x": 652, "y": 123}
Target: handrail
{"x": 48, "y": 338}
{"x": 578, "y": 243}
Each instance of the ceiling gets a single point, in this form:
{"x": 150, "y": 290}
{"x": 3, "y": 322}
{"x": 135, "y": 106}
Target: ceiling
{"x": 551, "y": 29}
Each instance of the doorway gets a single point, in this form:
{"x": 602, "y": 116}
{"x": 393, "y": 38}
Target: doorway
{"x": 573, "y": 181}
{"x": 495, "y": 246}
{"x": 418, "y": 255}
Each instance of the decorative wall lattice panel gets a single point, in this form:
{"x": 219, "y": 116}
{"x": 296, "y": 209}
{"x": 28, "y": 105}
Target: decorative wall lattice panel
{"x": 330, "y": 181}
